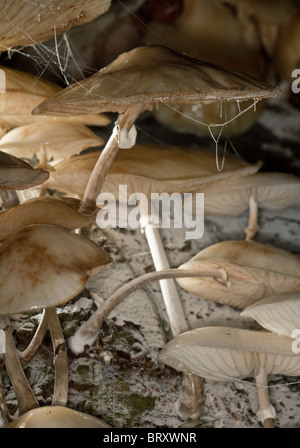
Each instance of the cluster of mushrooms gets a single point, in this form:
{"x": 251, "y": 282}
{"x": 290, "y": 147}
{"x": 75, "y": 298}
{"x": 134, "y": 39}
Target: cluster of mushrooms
{"x": 47, "y": 255}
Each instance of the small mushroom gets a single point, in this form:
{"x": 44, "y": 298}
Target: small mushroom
{"x": 255, "y": 270}
{"x": 228, "y": 354}
{"x": 69, "y": 213}
{"x": 42, "y": 266}
{"x": 48, "y": 139}
{"x": 27, "y": 23}
{"x": 15, "y": 174}
{"x": 57, "y": 417}
{"x": 279, "y": 313}
{"x": 270, "y": 191}
{"x": 137, "y": 81}
{"x": 23, "y": 91}
{"x": 213, "y": 32}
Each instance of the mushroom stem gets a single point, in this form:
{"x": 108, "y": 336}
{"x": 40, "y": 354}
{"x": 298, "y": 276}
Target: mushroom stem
{"x": 61, "y": 387}
{"x": 169, "y": 291}
{"x": 124, "y": 124}
{"x": 190, "y": 400}
{"x": 3, "y": 408}
{"x": 26, "y": 355}
{"x": 9, "y": 198}
{"x": 89, "y": 330}
{"x": 253, "y": 226}
{"x": 266, "y": 410}
{"x": 23, "y": 391}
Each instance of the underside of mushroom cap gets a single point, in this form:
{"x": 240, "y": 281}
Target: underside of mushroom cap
{"x": 27, "y": 23}
{"x": 150, "y": 168}
{"x": 225, "y": 353}
{"x": 58, "y": 138}
{"x": 271, "y": 191}
{"x": 19, "y": 175}
{"x": 278, "y": 313}
{"x": 255, "y": 270}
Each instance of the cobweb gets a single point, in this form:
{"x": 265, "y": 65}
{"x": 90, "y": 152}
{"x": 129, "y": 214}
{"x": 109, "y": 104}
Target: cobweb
{"x": 58, "y": 59}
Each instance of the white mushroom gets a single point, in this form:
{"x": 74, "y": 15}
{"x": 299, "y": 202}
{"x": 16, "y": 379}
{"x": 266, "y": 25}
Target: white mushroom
{"x": 255, "y": 270}
{"x": 228, "y": 354}
{"x": 278, "y": 313}
{"x": 42, "y": 266}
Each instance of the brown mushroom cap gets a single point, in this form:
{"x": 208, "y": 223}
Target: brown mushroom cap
{"x": 23, "y": 91}
{"x": 150, "y": 168}
{"x": 154, "y": 74}
{"x": 69, "y": 213}
{"x": 255, "y": 270}
{"x": 15, "y": 174}
{"x": 56, "y": 417}
{"x": 26, "y": 23}
{"x": 43, "y": 266}
{"x": 60, "y": 139}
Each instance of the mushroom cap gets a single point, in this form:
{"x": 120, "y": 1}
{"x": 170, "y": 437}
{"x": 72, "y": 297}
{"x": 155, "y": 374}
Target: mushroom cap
{"x": 26, "y": 23}
{"x": 272, "y": 191}
{"x": 56, "y": 417}
{"x": 150, "y": 168}
{"x": 279, "y": 313}
{"x": 60, "y": 139}
{"x": 69, "y": 213}
{"x": 43, "y": 266}
{"x": 154, "y": 74}
{"x": 15, "y": 174}
{"x": 255, "y": 270}
{"x": 224, "y": 353}
{"x": 23, "y": 91}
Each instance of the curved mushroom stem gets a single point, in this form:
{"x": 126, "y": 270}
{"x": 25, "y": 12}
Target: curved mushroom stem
{"x": 23, "y": 391}
{"x": 26, "y": 355}
{"x": 61, "y": 387}
{"x": 124, "y": 124}
{"x": 88, "y": 332}
{"x": 253, "y": 226}
{"x": 266, "y": 410}
{"x": 191, "y": 399}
